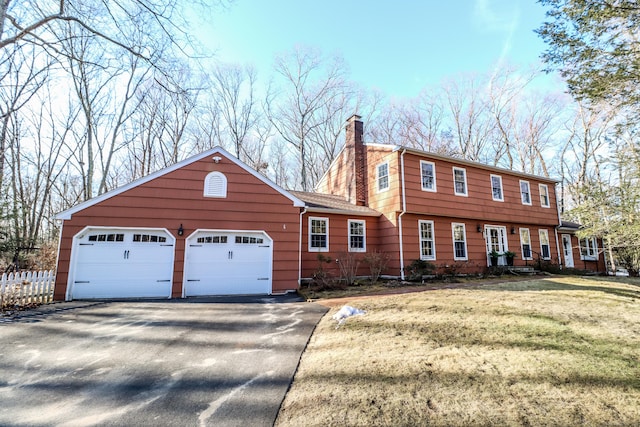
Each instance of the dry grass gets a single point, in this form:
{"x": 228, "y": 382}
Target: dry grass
{"x": 559, "y": 351}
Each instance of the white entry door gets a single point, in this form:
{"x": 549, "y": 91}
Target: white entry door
{"x": 220, "y": 262}
{"x": 121, "y": 263}
{"x": 567, "y": 251}
{"x": 496, "y": 238}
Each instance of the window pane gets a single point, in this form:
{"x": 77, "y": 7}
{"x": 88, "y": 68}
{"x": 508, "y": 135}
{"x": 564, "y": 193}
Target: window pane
{"x": 427, "y": 176}
{"x": 525, "y": 193}
{"x": 496, "y": 187}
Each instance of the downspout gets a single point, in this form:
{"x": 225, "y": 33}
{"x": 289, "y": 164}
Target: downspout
{"x": 404, "y": 210}
{"x": 304, "y": 211}
{"x": 560, "y": 257}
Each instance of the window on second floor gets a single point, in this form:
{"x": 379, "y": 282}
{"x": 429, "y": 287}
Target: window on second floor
{"x": 545, "y": 249}
{"x": 544, "y": 195}
{"x": 525, "y": 192}
{"x": 459, "y": 242}
{"x": 428, "y": 175}
{"x": 383, "y": 176}
{"x": 460, "y": 181}
{"x": 427, "y": 240}
{"x": 357, "y": 236}
{"x": 588, "y": 249}
{"x": 318, "y": 234}
{"x": 496, "y": 188}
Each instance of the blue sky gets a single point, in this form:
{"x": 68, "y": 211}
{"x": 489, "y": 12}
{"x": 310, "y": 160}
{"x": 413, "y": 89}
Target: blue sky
{"x": 398, "y": 47}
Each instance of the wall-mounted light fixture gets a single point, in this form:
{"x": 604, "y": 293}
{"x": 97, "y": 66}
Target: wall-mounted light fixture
{"x": 513, "y": 230}
{"x": 217, "y": 159}
{"x": 180, "y": 230}
{"x": 479, "y": 228}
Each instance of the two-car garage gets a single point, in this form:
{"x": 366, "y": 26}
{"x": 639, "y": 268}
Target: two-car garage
{"x": 131, "y": 263}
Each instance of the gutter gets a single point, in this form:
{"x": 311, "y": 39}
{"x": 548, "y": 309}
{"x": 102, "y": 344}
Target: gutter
{"x": 404, "y": 210}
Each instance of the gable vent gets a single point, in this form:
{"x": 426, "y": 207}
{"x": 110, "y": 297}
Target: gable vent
{"x": 215, "y": 185}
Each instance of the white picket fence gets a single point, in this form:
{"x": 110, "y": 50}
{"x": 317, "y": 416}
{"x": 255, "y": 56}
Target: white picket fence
{"x": 22, "y": 288}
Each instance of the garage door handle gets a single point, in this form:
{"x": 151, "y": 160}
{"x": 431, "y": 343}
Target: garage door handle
{"x": 126, "y": 254}
{"x": 230, "y": 256}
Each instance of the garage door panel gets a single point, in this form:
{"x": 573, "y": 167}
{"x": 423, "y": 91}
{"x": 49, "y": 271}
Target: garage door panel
{"x": 123, "y": 268}
{"x": 228, "y": 263}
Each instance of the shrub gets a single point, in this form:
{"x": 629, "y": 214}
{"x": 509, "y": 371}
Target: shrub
{"x": 348, "y": 264}
{"x": 377, "y": 262}
{"x": 417, "y": 269}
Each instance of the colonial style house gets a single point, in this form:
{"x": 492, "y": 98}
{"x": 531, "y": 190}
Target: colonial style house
{"x": 210, "y": 225}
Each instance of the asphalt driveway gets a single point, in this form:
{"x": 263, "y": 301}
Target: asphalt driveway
{"x": 221, "y": 361}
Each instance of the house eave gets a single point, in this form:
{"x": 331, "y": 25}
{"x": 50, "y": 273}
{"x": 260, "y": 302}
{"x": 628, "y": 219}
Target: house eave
{"x": 341, "y": 212}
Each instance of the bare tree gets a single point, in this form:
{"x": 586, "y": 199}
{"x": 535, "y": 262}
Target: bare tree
{"x": 298, "y": 110}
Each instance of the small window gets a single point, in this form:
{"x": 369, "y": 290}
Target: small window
{"x": 215, "y": 185}
{"x": 496, "y": 188}
{"x": 318, "y": 234}
{"x": 427, "y": 241}
{"x": 459, "y": 242}
{"x": 212, "y": 239}
{"x": 428, "y": 175}
{"x": 383, "y": 177}
{"x": 588, "y": 249}
{"x": 114, "y": 237}
{"x": 525, "y": 192}
{"x": 544, "y": 195}
{"x": 460, "y": 181}
{"x": 357, "y": 236}
{"x": 148, "y": 238}
{"x": 525, "y": 243}
{"x": 248, "y": 240}
{"x": 545, "y": 249}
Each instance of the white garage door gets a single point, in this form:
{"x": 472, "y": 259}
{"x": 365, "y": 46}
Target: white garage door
{"x": 228, "y": 263}
{"x": 122, "y": 263}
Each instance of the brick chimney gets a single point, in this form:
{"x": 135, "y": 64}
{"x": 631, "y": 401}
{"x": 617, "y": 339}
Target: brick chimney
{"x": 357, "y": 157}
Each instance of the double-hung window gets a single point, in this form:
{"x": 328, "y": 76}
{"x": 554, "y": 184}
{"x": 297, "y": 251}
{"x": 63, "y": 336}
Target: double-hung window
{"x": 545, "y": 249}
{"x": 357, "y": 236}
{"x": 588, "y": 249}
{"x": 459, "y": 242}
{"x": 428, "y": 175}
{"x": 318, "y": 234}
{"x": 427, "y": 240}
{"x": 525, "y": 243}
{"x": 460, "y": 181}
{"x": 544, "y": 195}
{"x": 525, "y": 192}
{"x": 496, "y": 188}
{"x": 383, "y": 177}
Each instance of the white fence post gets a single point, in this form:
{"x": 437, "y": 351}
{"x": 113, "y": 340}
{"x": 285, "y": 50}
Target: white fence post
{"x": 17, "y": 289}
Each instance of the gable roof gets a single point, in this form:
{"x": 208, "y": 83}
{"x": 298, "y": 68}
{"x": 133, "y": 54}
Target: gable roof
{"x": 216, "y": 150}
{"x": 328, "y": 203}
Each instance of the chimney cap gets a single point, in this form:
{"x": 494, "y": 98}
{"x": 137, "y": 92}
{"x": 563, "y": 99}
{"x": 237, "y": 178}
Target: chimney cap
{"x": 354, "y": 118}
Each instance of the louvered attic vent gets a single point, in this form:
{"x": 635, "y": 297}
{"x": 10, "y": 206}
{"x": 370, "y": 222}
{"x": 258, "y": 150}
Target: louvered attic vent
{"x": 215, "y": 185}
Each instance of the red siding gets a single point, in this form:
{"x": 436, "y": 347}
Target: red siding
{"x": 177, "y": 198}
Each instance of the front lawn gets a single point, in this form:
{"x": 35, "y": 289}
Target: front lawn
{"x": 555, "y": 351}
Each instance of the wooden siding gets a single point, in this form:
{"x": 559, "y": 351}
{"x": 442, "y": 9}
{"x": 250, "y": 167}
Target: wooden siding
{"x": 338, "y": 243}
{"x": 177, "y": 198}
{"x": 387, "y": 202}
{"x": 339, "y": 180}
{"x": 479, "y": 203}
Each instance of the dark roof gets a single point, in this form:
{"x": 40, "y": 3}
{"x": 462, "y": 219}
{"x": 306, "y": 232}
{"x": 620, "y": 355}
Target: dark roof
{"x": 329, "y": 202}
{"x": 570, "y": 225}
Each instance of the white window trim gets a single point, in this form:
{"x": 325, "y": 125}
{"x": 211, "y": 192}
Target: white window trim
{"x": 433, "y": 166}
{"x": 594, "y": 242}
{"x": 546, "y": 187}
{"x": 314, "y": 249}
{"x": 453, "y": 236}
{"x": 530, "y": 257}
{"x": 501, "y": 199}
{"x": 223, "y": 190}
{"x": 378, "y": 189}
{"x": 364, "y": 235}
{"x": 433, "y": 233}
{"x": 466, "y": 186}
{"x": 520, "y": 188}
{"x": 540, "y": 233}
